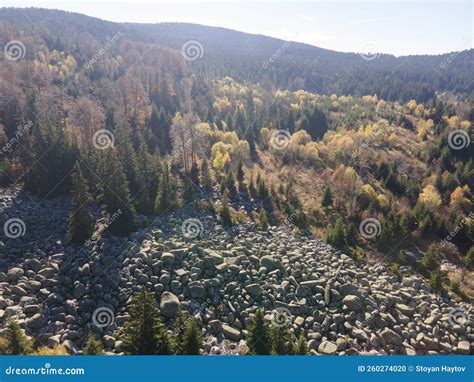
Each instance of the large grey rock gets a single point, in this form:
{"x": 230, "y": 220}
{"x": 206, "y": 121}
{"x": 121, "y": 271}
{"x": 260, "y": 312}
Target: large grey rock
{"x": 36, "y": 322}
{"x": 231, "y": 333}
{"x": 108, "y": 341}
{"x": 391, "y": 337}
{"x": 168, "y": 259}
{"x": 196, "y": 289}
{"x": 464, "y": 347}
{"x": 14, "y": 274}
{"x": 169, "y": 304}
{"x": 254, "y": 290}
{"x": 353, "y": 302}
{"x": 270, "y": 263}
{"x": 327, "y": 348}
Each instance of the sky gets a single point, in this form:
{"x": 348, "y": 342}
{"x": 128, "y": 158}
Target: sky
{"x": 382, "y": 26}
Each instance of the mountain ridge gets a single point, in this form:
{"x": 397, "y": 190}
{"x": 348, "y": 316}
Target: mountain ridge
{"x": 241, "y": 55}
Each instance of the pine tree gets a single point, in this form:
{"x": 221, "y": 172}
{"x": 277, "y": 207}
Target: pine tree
{"x": 430, "y": 258}
{"x": 336, "y": 235}
{"x": 16, "y": 341}
{"x": 230, "y": 184}
{"x": 281, "y": 340}
{"x": 240, "y": 172}
{"x": 81, "y": 221}
{"x": 144, "y": 333}
{"x": 301, "y": 347}
{"x": 225, "y": 214}
{"x": 252, "y": 189}
{"x": 258, "y": 338}
{"x": 116, "y": 196}
{"x": 326, "y": 200}
{"x": 93, "y": 346}
{"x": 206, "y": 179}
{"x": 166, "y": 198}
{"x": 263, "y": 219}
{"x": 192, "y": 338}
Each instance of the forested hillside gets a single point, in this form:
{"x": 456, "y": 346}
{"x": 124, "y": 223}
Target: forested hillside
{"x": 121, "y": 129}
{"x": 268, "y": 61}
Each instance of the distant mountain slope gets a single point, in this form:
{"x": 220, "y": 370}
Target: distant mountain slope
{"x": 265, "y": 60}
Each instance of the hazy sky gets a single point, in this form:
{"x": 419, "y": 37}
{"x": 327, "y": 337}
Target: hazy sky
{"x": 397, "y": 27}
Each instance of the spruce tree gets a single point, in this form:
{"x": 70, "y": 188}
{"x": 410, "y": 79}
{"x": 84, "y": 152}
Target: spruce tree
{"x": 225, "y": 214}
{"x": 206, "y": 179}
{"x": 263, "y": 219}
{"x": 230, "y": 184}
{"x": 281, "y": 340}
{"x": 81, "y": 221}
{"x": 336, "y": 235}
{"x": 326, "y": 199}
{"x": 430, "y": 258}
{"x": 166, "y": 198}
{"x": 301, "y": 347}
{"x": 258, "y": 338}
{"x": 240, "y": 172}
{"x": 92, "y": 346}
{"x": 192, "y": 338}
{"x": 16, "y": 341}
{"x": 144, "y": 333}
{"x": 116, "y": 197}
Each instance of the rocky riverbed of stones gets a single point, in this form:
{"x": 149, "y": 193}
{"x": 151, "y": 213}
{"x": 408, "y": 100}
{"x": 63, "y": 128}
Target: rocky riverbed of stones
{"x": 60, "y": 292}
